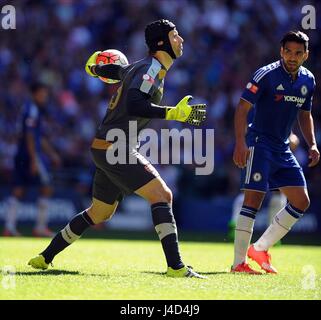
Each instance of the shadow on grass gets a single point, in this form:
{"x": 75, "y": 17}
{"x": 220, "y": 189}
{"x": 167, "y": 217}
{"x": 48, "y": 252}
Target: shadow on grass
{"x": 57, "y": 272}
{"x": 201, "y": 273}
{"x": 209, "y": 273}
{"x": 154, "y": 272}
{"x": 47, "y": 273}
{"x": 231, "y": 273}
{"x": 214, "y": 273}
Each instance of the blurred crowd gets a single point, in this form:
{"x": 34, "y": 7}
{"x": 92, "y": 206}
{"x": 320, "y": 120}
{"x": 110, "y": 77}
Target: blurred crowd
{"x": 225, "y": 42}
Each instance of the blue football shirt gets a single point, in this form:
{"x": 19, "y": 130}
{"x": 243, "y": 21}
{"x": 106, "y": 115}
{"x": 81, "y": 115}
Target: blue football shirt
{"x": 277, "y": 99}
{"x": 30, "y": 122}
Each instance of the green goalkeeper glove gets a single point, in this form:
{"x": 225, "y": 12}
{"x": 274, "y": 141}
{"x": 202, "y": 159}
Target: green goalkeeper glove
{"x": 91, "y": 62}
{"x": 193, "y": 114}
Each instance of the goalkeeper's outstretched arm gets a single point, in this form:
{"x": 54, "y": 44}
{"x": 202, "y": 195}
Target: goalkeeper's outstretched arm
{"x": 138, "y": 104}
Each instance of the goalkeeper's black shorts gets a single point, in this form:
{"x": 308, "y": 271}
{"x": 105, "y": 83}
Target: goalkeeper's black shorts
{"x": 114, "y": 181}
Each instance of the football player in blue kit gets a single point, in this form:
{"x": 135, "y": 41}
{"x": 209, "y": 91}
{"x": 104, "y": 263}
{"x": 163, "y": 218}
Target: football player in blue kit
{"x": 276, "y": 201}
{"x": 281, "y": 92}
{"x": 30, "y": 165}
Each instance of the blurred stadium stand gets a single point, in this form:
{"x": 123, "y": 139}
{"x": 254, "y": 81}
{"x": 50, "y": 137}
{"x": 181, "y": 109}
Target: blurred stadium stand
{"x": 225, "y": 42}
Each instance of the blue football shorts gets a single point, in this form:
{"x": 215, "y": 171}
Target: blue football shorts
{"x": 269, "y": 170}
{"x": 22, "y": 175}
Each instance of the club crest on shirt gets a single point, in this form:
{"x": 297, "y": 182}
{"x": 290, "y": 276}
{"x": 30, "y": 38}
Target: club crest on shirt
{"x": 304, "y": 90}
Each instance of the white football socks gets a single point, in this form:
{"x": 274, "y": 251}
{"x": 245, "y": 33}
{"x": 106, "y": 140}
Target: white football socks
{"x": 11, "y": 218}
{"x": 243, "y": 234}
{"x": 277, "y": 202}
{"x": 237, "y": 207}
{"x": 280, "y": 226}
{"x": 42, "y": 214}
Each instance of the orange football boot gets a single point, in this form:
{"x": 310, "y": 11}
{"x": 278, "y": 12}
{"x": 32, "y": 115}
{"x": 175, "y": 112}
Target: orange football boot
{"x": 46, "y": 232}
{"x": 244, "y": 268}
{"x": 11, "y": 233}
{"x": 262, "y": 258}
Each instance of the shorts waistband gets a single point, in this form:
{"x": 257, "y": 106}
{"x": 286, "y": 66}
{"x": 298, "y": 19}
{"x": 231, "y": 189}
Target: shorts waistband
{"x": 100, "y": 144}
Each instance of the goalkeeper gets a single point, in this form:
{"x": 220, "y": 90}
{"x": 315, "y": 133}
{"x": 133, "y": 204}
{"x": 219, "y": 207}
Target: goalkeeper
{"x": 137, "y": 99}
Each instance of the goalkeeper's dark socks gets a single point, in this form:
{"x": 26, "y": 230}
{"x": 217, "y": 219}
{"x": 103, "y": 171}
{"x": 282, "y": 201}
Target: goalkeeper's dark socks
{"x": 165, "y": 227}
{"x": 72, "y": 231}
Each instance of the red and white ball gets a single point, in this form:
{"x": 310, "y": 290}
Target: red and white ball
{"x": 111, "y": 56}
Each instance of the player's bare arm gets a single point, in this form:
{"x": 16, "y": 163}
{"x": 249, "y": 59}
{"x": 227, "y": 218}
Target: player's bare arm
{"x": 241, "y": 151}
{"x": 51, "y": 152}
{"x": 307, "y": 128}
{"x": 32, "y": 152}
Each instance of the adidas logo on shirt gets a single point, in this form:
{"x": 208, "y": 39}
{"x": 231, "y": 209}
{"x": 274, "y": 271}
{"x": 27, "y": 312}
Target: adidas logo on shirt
{"x": 280, "y": 87}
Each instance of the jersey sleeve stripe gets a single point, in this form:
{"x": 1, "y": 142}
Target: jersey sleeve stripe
{"x": 255, "y": 78}
{"x": 152, "y": 72}
{"x": 265, "y": 70}
{"x": 258, "y": 72}
{"x": 261, "y": 75}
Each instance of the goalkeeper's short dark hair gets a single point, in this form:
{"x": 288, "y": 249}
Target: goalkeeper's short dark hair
{"x": 296, "y": 36}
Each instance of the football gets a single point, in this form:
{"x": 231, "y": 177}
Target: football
{"x": 111, "y": 56}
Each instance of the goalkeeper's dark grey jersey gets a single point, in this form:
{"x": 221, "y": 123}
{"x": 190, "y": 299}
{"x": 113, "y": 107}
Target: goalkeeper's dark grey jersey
{"x": 146, "y": 75}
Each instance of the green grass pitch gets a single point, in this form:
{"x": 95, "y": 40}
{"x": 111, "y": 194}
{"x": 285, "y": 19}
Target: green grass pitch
{"x": 134, "y": 269}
